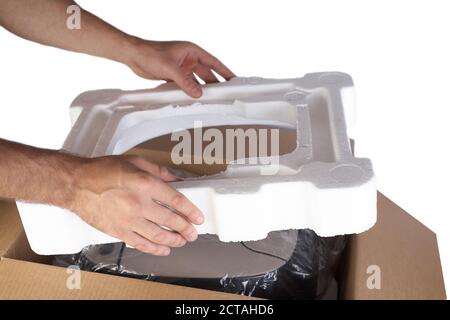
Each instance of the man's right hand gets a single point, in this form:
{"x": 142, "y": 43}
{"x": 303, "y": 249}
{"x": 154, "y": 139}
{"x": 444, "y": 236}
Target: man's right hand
{"x": 123, "y": 196}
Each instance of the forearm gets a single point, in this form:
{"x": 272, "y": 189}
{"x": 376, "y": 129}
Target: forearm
{"x": 44, "y": 21}
{"x": 119, "y": 195}
{"x": 37, "y": 175}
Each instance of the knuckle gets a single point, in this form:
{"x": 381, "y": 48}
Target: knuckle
{"x": 180, "y": 241}
{"x": 142, "y": 179}
{"x": 133, "y": 204}
{"x": 172, "y": 221}
{"x": 187, "y": 229}
{"x": 145, "y": 247}
{"x": 178, "y": 201}
{"x": 160, "y": 237}
{"x": 178, "y": 224}
{"x": 187, "y": 84}
{"x": 188, "y": 80}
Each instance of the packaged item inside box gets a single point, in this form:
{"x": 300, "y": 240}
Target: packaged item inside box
{"x": 294, "y": 264}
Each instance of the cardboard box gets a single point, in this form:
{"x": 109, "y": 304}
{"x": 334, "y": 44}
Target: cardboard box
{"x": 401, "y": 249}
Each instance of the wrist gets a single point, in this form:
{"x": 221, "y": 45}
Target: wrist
{"x": 134, "y": 50}
{"x": 66, "y": 185}
{"x": 89, "y": 179}
{"x": 129, "y": 50}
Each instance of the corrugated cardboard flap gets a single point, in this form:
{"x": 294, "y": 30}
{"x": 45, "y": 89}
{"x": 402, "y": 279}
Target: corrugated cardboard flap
{"x": 10, "y": 225}
{"x": 403, "y": 250}
{"x": 27, "y": 280}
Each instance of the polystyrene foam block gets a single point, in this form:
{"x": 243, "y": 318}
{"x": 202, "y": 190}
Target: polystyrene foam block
{"x": 320, "y": 185}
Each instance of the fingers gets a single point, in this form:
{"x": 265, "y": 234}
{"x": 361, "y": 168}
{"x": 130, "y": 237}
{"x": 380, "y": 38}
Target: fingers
{"x": 177, "y": 201}
{"x": 154, "y": 169}
{"x": 215, "y": 64}
{"x": 142, "y": 244}
{"x": 158, "y": 235}
{"x": 172, "y": 220}
{"x": 202, "y": 65}
{"x": 184, "y": 78}
{"x": 205, "y": 74}
{"x": 160, "y": 203}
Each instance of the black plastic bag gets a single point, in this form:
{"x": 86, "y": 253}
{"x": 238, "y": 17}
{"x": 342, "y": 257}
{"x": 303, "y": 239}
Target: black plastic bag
{"x": 295, "y": 264}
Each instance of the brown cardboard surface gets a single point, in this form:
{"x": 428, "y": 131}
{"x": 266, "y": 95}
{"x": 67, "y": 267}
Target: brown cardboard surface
{"x": 406, "y": 253}
{"x": 27, "y": 280}
{"x": 10, "y": 225}
{"x": 158, "y": 150}
{"x": 26, "y": 275}
{"x": 405, "y": 250}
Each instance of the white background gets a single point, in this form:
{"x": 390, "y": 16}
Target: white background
{"x": 397, "y": 52}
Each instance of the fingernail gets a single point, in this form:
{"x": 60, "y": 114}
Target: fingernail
{"x": 199, "y": 220}
{"x": 165, "y": 252}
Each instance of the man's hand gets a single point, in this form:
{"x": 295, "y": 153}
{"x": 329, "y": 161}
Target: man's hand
{"x": 176, "y": 61}
{"x": 44, "y": 21}
{"x": 128, "y": 198}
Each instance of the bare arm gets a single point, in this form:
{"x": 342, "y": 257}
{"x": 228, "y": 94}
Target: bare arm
{"x": 37, "y": 175}
{"x": 44, "y": 21}
{"x": 114, "y": 194}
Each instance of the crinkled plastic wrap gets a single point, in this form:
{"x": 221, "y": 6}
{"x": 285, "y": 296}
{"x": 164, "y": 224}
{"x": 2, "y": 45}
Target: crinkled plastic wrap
{"x": 294, "y": 264}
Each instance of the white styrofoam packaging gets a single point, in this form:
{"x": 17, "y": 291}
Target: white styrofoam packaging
{"x": 320, "y": 185}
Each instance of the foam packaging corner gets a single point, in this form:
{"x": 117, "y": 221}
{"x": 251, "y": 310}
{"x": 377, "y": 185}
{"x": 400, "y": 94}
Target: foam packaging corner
{"x": 320, "y": 185}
